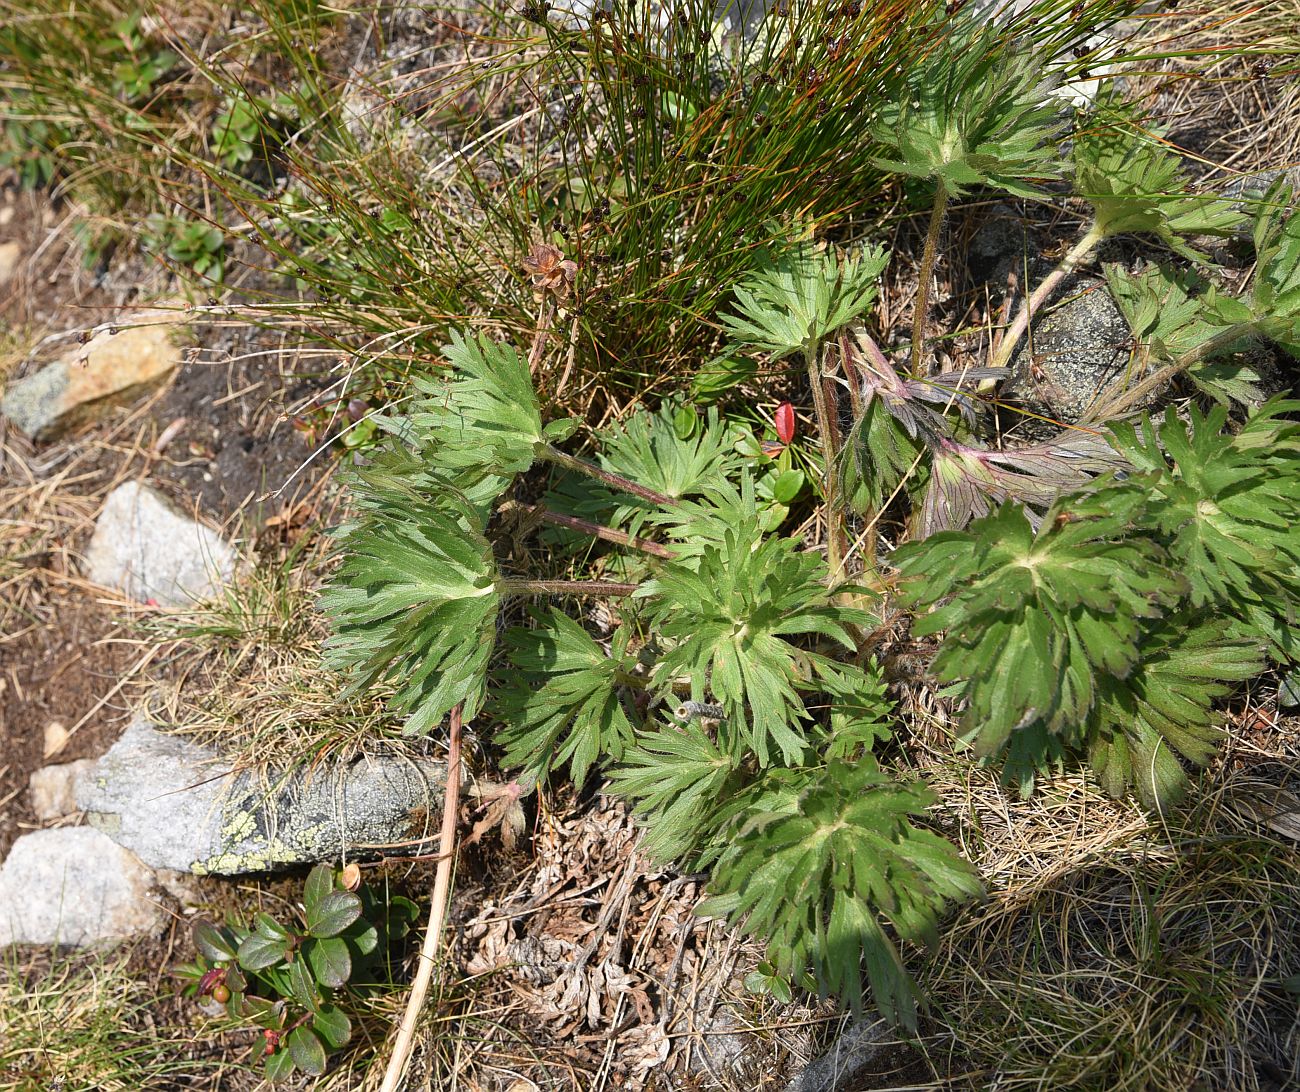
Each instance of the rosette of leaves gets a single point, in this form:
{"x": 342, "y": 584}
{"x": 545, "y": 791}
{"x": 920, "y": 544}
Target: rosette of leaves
{"x": 973, "y": 113}
{"x": 801, "y": 297}
{"x": 816, "y": 861}
{"x": 819, "y": 860}
{"x": 1032, "y": 620}
{"x": 1115, "y": 626}
{"x": 731, "y": 620}
{"x": 295, "y": 982}
{"x": 1226, "y": 507}
{"x": 1136, "y": 185}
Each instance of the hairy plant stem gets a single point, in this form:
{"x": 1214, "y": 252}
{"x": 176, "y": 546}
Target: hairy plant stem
{"x": 581, "y": 466}
{"x": 1135, "y": 395}
{"x": 395, "y": 1072}
{"x": 827, "y": 433}
{"x": 599, "y": 530}
{"x": 516, "y": 586}
{"x": 920, "y": 366}
{"x": 544, "y": 318}
{"x": 1076, "y": 256}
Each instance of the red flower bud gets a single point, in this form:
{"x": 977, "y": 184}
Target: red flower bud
{"x": 785, "y": 422}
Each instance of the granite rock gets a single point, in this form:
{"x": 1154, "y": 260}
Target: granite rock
{"x": 9, "y": 254}
{"x": 1079, "y": 350}
{"x": 111, "y": 367}
{"x": 74, "y": 886}
{"x": 179, "y": 806}
{"x": 52, "y": 790}
{"x": 147, "y": 551}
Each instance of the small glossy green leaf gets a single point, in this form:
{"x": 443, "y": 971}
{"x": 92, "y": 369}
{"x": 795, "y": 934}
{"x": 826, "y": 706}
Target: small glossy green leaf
{"x": 213, "y": 942}
{"x": 302, "y": 987}
{"x": 788, "y": 486}
{"x": 279, "y": 1066}
{"x": 307, "y": 1051}
{"x": 320, "y": 882}
{"x": 329, "y": 960}
{"x": 333, "y": 913}
{"x": 333, "y": 1026}
{"x": 258, "y": 952}
{"x": 271, "y": 929}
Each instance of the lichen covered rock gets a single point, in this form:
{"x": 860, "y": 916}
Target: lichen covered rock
{"x": 178, "y": 805}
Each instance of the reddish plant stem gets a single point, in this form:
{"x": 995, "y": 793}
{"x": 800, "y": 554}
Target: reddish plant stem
{"x": 599, "y": 530}
{"x": 920, "y": 366}
{"x": 510, "y": 586}
{"x": 1040, "y": 295}
{"x": 626, "y": 485}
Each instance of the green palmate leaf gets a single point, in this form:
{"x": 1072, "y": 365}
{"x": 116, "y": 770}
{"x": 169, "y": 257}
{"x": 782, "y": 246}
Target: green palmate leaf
{"x": 1035, "y": 618}
{"x": 860, "y": 708}
{"x": 1227, "y": 505}
{"x": 415, "y": 602}
{"x": 1163, "y": 711}
{"x": 563, "y": 700}
{"x": 482, "y": 425}
{"x": 648, "y": 449}
{"x": 731, "y": 622}
{"x": 675, "y": 779}
{"x": 973, "y": 112}
{"x": 818, "y": 872}
{"x": 490, "y": 401}
{"x": 697, "y": 524}
{"x": 1168, "y": 322}
{"x": 1135, "y": 184}
{"x": 802, "y": 297}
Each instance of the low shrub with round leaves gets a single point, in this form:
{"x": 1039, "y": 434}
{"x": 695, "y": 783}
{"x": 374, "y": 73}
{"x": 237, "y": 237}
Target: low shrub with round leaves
{"x": 296, "y": 982}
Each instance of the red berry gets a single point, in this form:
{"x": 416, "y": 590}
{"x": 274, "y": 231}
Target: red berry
{"x": 221, "y": 994}
{"x": 785, "y": 422}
